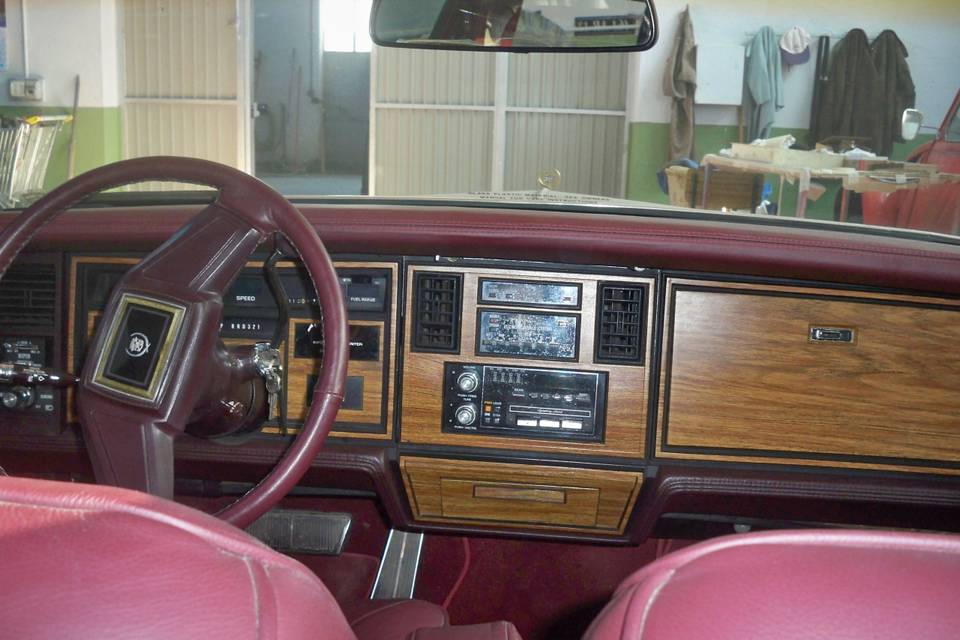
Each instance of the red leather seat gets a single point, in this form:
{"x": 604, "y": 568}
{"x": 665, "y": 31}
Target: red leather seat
{"x": 792, "y": 585}
{"x": 84, "y": 561}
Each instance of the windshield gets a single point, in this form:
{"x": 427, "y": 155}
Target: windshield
{"x": 294, "y": 92}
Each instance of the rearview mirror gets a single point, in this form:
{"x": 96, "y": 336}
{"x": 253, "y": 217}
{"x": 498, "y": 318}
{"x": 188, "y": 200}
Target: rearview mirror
{"x": 515, "y": 25}
{"x": 910, "y": 124}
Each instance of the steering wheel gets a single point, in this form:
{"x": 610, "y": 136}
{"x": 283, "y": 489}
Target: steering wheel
{"x": 157, "y": 364}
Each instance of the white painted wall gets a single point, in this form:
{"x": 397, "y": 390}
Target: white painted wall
{"x": 928, "y": 28}
{"x": 65, "y": 38}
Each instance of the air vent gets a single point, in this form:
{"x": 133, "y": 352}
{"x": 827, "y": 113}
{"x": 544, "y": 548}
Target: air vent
{"x": 436, "y": 312}
{"x": 620, "y": 324}
{"x": 28, "y": 295}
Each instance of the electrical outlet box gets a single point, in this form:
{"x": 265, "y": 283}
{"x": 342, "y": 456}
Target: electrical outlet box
{"x": 27, "y": 89}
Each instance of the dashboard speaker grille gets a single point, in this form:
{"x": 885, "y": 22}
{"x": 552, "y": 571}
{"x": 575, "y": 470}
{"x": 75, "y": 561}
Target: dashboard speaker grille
{"x": 620, "y": 324}
{"x": 28, "y": 294}
{"x": 436, "y": 315}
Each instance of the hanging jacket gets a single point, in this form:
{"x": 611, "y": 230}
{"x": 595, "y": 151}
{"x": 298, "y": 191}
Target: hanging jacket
{"x": 850, "y": 103}
{"x": 896, "y": 88}
{"x": 680, "y": 84}
{"x": 820, "y": 76}
{"x": 764, "y": 80}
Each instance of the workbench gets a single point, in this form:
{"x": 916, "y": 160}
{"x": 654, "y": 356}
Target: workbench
{"x": 868, "y": 176}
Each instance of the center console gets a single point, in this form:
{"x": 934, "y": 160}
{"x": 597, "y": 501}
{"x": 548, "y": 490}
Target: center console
{"x": 527, "y": 360}
{"x": 504, "y": 361}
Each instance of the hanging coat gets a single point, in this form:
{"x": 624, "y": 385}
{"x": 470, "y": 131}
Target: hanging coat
{"x": 820, "y": 77}
{"x": 850, "y": 103}
{"x": 764, "y": 80}
{"x": 680, "y": 84}
{"x": 896, "y": 88}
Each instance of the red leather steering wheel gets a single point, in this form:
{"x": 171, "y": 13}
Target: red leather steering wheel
{"x": 157, "y": 358}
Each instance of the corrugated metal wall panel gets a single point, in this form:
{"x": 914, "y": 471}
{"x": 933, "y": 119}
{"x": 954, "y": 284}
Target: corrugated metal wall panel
{"x": 180, "y": 67}
{"x": 569, "y": 81}
{"x": 180, "y": 48}
{"x": 196, "y": 131}
{"x": 409, "y": 76}
{"x": 587, "y": 150}
{"x": 420, "y": 152}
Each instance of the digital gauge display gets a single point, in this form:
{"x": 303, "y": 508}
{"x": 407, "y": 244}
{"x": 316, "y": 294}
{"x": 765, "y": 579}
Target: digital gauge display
{"x": 527, "y": 334}
{"x": 528, "y": 293}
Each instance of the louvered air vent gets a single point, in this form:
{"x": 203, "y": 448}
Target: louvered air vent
{"x": 620, "y": 324}
{"x": 436, "y": 312}
{"x": 28, "y": 295}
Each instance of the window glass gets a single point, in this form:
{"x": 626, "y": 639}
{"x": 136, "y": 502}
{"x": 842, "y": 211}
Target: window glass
{"x": 294, "y": 92}
{"x": 345, "y": 25}
{"x": 953, "y": 130}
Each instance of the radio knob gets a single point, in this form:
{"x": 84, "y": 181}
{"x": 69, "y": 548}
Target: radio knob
{"x": 466, "y": 414}
{"x": 468, "y": 382}
{"x": 17, "y": 398}
{"x": 10, "y": 399}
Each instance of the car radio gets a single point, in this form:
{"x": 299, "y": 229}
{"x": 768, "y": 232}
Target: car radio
{"x": 524, "y": 401}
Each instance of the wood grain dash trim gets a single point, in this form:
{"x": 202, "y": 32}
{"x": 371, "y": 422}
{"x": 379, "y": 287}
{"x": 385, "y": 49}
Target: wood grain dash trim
{"x": 513, "y": 495}
{"x": 627, "y": 385}
{"x": 504, "y": 491}
{"x": 742, "y": 381}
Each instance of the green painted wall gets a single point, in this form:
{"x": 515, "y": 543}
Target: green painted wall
{"x": 648, "y": 151}
{"x": 98, "y": 138}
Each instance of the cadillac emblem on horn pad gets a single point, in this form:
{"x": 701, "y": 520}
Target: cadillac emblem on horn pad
{"x": 136, "y": 354}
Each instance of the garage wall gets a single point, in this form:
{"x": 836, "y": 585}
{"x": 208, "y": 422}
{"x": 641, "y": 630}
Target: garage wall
{"x": 927, "y": 27}
{"x": 182, "y": 84}
{"x": 431, "y": 132}
{"x": 186, "y": 48}
{"x": 346, "y": 119}
{"x": 66, "y": 38}
{"x": 517, "y": 117}
{"x": 567, "y": 117}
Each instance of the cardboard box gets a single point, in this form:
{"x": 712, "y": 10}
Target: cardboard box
{"x": 733, "y": 190}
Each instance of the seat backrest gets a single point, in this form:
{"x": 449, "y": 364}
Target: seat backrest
{"x": 85, "y": 561}
{"x": 792, "y": 585}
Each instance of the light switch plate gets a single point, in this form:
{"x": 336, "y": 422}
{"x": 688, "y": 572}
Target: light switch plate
{"x": 26, "y": 89}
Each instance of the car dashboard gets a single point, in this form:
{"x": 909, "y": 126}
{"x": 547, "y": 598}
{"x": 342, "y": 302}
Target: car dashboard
{"x": 553, "y": 390}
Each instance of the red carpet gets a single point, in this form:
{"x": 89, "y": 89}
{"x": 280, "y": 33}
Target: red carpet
{"x": 547, "y": 589}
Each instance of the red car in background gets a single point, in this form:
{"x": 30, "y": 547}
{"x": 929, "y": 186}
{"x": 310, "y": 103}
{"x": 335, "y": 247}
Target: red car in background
{"x": 935, "y": 208}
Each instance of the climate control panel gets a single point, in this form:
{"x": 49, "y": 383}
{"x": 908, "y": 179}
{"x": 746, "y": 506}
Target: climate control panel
{"x": 524, "y": 401}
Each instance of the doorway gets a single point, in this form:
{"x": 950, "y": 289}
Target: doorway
{"x": 311, "y": 94}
